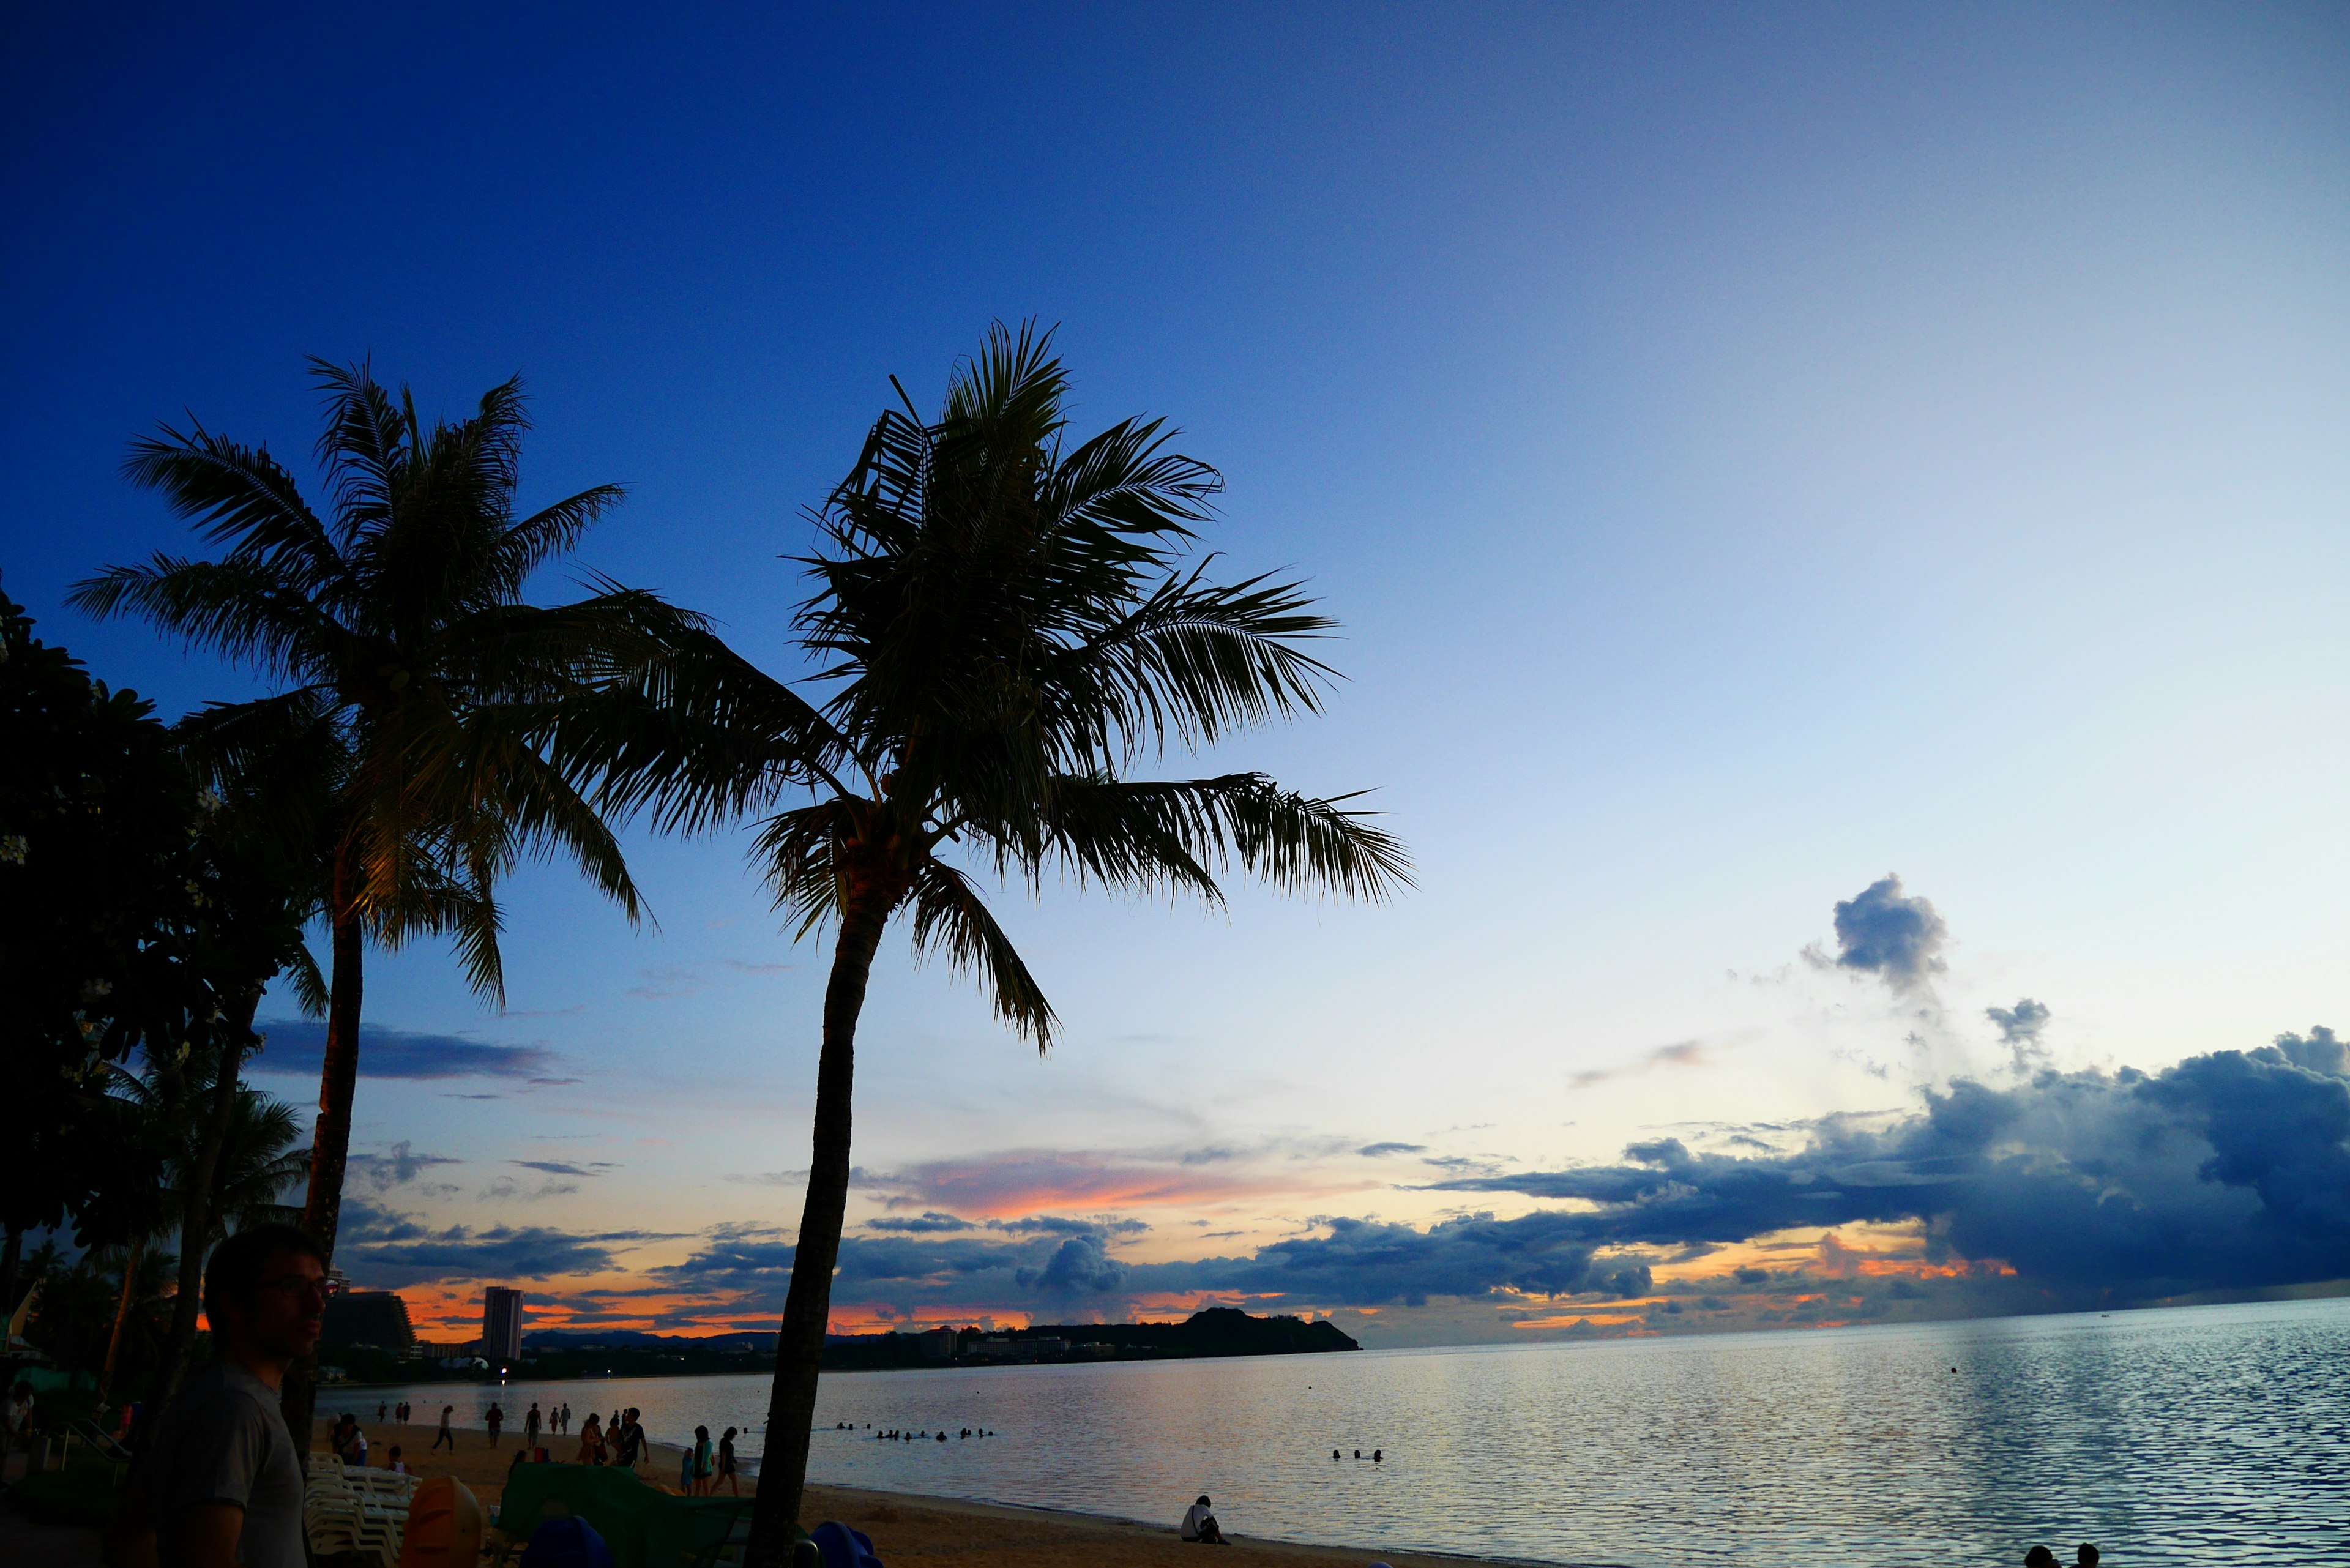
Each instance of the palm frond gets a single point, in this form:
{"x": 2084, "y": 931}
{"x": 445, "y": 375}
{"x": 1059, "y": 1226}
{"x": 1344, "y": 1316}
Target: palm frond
{"x": 243, "y": 610}
{"x": 240, "y": 497}
{"x": 1177, "y": 835}
{"x": 950, "y": 918}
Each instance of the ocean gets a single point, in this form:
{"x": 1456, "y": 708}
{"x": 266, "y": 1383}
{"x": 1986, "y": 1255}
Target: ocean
{"x": 2190, "y": 1434}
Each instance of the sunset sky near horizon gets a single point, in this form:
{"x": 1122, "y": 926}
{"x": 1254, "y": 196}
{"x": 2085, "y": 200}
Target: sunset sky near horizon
{"x": 1841, "y": 522}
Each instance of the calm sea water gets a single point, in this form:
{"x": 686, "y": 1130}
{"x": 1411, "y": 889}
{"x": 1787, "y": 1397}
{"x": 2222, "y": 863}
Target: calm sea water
{"x": 2197, "y": 1434}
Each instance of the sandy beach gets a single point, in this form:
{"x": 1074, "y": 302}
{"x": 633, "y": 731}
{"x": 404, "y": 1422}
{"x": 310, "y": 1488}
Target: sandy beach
{"x": 918, "y": 1530}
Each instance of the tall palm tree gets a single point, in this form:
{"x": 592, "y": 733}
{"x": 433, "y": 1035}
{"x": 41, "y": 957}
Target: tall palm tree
{"x": 1008, "y": 626}
{"x": 398, "y": 623}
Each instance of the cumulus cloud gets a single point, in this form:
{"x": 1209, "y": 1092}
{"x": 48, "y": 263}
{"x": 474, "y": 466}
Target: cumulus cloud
{"x": 2229, "y": 1171}
{"x": 1079, "y": 1266}
{"x": 297, "y": 1045}
{"x": 1881, "y": 931}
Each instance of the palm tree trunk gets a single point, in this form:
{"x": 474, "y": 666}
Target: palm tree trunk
{"x": 799, "y": 1348}
{"x": 330, "y": 1146}
{"x": 196, "y": 1208}
{"x": 121, "y": 1315}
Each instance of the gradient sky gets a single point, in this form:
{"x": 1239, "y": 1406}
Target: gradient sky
{"x": 1753, "y": 452}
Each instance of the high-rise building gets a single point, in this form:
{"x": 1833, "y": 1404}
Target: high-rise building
{"x": 501, "y": 1323}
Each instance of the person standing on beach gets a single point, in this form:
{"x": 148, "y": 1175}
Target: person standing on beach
{"x": 446, "y": 1435}
{"x": 705, "y": 1464}
{"x": 530, "y": 1424}
{"x": 220, "y": 1486}
{"x": 632, "y": 1439}
{"x": 726, "y": 1471}
{"x": 591, "y": 1441}
{"x": 494, "y": 1420}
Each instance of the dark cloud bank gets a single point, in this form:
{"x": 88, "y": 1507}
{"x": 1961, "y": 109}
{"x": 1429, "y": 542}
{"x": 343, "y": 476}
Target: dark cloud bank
{"x": 2228, "y": 1173}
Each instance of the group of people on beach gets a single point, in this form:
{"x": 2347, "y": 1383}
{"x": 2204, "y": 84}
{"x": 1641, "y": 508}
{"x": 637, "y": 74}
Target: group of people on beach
{"x": 705, "y": 1467}
{"x": 896, "y": 1435}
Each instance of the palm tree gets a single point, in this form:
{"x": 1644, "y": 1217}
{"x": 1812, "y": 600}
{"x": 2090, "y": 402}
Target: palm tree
{"x": 399, "y": 626}
{"x": 1008, "y": 626}
{"x": 253, "y": 1160}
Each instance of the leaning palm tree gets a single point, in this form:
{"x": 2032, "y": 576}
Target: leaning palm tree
{"x": 398, "y": 624}
{"x": 1008, "y": 626}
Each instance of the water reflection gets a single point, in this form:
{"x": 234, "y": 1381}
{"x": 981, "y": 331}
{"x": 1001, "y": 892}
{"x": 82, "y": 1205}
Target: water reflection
{"x": 2188, "y": 1436}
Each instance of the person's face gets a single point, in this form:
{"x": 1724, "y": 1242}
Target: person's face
{"x": 282, "y": 1318}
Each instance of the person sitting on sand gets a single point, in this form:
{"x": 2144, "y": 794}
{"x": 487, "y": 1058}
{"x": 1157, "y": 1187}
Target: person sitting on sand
{"x": 392, "y": 1461}
{"x": 1199, "y": 1525}
{"x": 591, "y": 1440}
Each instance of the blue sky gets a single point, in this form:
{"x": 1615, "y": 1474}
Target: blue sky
{"x": 1752, "y": 452}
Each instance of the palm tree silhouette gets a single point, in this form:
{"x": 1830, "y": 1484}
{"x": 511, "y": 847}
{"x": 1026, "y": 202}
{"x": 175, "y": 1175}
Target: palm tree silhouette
{"x": 410, "y": 657}
{"x": 1008, "y": 626}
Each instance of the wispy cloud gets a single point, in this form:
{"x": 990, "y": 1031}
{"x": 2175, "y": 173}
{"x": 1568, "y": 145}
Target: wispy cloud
{"x": 1679, "y": 1053}
{"x": 299, "y": 1046}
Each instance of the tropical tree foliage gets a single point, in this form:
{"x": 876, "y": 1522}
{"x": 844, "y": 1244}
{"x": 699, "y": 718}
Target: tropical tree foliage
{"x": 1005, "y": 622}
{"x": 408, "y": 653}
{"x": 408, "y": 657}
{"x": 102, "y": 896}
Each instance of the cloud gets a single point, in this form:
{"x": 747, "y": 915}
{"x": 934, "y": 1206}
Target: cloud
{"x": 2020, "y": 1024}
{"x": 1019, "y": 1181}
{"x": 769, "y": 1178}
{"x": 1879, "y": 931}
{"x": 1367, "y": 1263}
{"x": 1381, "y": 1150}
{"x": 2229, "y": 1171}
{"x": 1057, "y": 1225}
{"x": 2019, "y": 1030}
{"x": 400, "y": 1167}
{"x": 1679, "y": 1053}
{"x": 922, "y": 1224}
{"x": 560, "y": 1168}
{"x": 1079, "y": 1266}
{"x": 386, "y": 1251}
{"x": 299, "y": 1045}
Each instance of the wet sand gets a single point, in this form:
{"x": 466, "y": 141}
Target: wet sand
{"x": 911, "y": 1531}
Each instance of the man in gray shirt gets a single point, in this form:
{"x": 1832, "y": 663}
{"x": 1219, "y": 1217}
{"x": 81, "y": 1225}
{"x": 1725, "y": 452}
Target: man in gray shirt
{"x": 222, "y": 1480}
